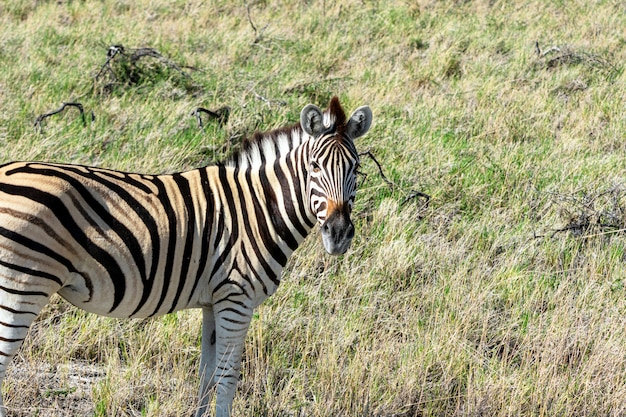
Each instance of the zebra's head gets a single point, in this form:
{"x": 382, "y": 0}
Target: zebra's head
{"x": 332, "y": 169}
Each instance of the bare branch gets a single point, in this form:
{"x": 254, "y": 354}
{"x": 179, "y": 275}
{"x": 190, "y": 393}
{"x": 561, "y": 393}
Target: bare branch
{"x": 567, "y": 56}
{"x": 412, "y": 194}
{"x": 416, "y": 194}
{"x": 126, "y": 60}
{"x": 258, "y": 33}
{"x": 256, "y": 37}
{"x": 588, "y": 214}
{"x": 369, "y": 154}
{"x": 79, "y": 106}
{"x": 111, "y": 54}
{"x": 268, "y": 101}
{"x": 220, "y": 114}
{"x": 151, "y": 52}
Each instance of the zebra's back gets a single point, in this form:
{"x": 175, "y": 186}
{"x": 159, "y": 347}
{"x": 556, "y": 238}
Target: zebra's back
{"x": 113, "y": 243}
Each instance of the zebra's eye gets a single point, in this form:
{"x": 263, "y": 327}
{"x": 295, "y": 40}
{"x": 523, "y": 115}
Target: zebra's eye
{"x": 315, "y": 168}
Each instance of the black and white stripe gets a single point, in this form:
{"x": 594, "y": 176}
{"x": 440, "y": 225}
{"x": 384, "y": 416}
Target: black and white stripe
{"x": 217, "y": 238}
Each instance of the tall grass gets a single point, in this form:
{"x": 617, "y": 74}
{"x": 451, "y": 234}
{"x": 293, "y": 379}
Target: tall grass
{"x": 504, "y": 295}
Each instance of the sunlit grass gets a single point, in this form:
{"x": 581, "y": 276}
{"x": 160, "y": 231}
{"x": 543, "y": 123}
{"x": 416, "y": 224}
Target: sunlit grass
{"x": 504, "y": 295}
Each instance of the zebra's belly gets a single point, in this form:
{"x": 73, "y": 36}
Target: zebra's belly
{"x": 79, "y": 296}
{"x": 135, "y": 298}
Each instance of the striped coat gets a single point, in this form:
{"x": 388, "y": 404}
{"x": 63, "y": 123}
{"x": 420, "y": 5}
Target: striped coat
{"x": 217, "y": 238}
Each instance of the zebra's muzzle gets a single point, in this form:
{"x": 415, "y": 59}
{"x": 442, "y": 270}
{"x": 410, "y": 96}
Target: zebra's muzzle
{"x": 337, "y": 232}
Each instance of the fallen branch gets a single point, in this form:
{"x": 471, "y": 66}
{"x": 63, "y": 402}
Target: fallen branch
{"x": 589, "y": 215}
{"x": 311, "y": 86}
{"x": 266, "y": 100}
{"x": 568, "y": 56}
{"x": 258, "y": 34}
{"x": 151, "y": 52}
{"x": 250, "y": 20}
{"x": 127, "y": 69}
{"x": 369, "y": 154}
{"x": 79, "y": 106}
{"x": 221, "y": 115}
{"x": 607, "y": 232}
{"x": 111, "y": 54}
{"x": 412, "y": 194}
{"x": 416, "y": 194}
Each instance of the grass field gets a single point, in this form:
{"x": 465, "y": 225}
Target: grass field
{"x": 503, "y": 295}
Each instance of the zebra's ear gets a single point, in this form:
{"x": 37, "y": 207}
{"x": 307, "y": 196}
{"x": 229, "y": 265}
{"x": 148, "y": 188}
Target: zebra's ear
{"x": 312, "y": 120}
{"x": 359, "y": 122}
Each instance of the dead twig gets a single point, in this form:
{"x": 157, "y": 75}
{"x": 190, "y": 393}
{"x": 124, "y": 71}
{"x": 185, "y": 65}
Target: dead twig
{"x": 607, "y": 232}
{"x": 416, "y": 194}
{"x": 79, "y": 106}
{"x": 221, "y": 115}
{"x": 258, "y": 34}
{"x": 139, "y": 53}
{"x": 548, "y": 51}
{"x": 122, "y": 65}
{"x": 310, "y": 86}
{"x": 111, "y": 54}
{"x": 411, "y": 195}
{"x": 568, "y": 56}
{"x": 251, "y": 22}
{"x": 269, "y": 101}
{"x": 589, "y": 215}
{"x": 369, "y": 154}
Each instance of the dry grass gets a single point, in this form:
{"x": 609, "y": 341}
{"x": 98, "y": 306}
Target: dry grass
{"x": 504, "y": 296}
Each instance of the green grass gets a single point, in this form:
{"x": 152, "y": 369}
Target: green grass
{"x": 504, "y": 295}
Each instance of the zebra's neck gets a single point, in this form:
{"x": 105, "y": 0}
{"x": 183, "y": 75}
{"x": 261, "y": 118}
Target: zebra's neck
{"x": 262, "y": 192}
{"x": 278, "y": 163}
{"x": 287, "y": 201}
{"x": 263, "y": 213}
{"x": 266, "y": 148}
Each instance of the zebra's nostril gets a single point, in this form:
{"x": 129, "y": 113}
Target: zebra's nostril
{"x": 350, "y": 231}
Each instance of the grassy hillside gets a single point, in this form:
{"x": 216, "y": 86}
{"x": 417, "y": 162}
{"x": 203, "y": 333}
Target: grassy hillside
{"x": 504, "y": 295}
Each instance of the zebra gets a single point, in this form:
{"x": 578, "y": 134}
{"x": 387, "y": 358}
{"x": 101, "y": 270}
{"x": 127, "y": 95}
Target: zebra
{"x": 131, "y": 245}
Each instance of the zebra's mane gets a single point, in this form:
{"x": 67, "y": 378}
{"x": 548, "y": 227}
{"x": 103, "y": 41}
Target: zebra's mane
{"x": 267, "y": 147}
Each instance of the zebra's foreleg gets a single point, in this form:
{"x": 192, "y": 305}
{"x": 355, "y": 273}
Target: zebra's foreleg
{"x": 207, "y": 362}
{"x": 231, "y": 328}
